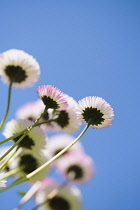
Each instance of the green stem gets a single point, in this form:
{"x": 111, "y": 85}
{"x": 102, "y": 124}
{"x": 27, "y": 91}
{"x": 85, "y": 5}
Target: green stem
{"x": 22, "y": 137}
{"x": 11, "y": 148}
{"x": 45, "y": 122}
{"x": 12, "y": 137}
{"x": 18, "y": 181}
{"x": 18, "y": 134}
{"x": 29, "y": 176}
{"x": 4, "y": 164}
{"x": 10, "y": 173}
{"x": 8, "y": 105}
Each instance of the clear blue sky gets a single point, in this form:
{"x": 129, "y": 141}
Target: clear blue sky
{"x": 85, "y": 48}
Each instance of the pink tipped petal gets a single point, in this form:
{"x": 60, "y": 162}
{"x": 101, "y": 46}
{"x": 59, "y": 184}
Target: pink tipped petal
{"x": 52, "y": 97}
{"x": 96, "y": 110}
{"x": 77, "y": 167}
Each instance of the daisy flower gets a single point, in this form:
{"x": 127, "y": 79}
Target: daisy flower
{"x": 95, "y": 110}
{"x": 18, "y": 67}
{"x": 38, "y": 110}
{"x": 28, "y": 162}
{"x": 52, "y": 97}
{"x": 77, "y": 167}
{"x": 58, "y": 142}
{"x": 27, "y": 112}
{"x": 32, "y": 110}
{"x": 34, "y": 140}
{"x": 67, "y": 197}
{"x": 67, "y": 120}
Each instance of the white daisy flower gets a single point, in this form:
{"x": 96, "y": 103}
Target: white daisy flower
{"x": 67, "y": 120}
{"x": 18, "y": 67}
{"x": 59, "y": 197}
{"x": 34, "y": 140}
{"x": 32, "y": 110}
{"x": 52, "y": 97}
{"x": 28, "y": 162}
{"x": 58, "y": 142}
{"x": 38, "y": 109}
{"x": 77, "y": 167}
{"x": 96, "y": 110}
{"x": 27, "y": 112}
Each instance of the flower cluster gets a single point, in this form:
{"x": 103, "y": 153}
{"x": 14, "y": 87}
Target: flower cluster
{"x": 34, "y": 150}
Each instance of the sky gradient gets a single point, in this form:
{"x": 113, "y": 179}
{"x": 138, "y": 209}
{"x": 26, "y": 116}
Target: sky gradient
{"x": 85, "y": 48}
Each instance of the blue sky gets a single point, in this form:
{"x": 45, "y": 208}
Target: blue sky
{"x": 85, "y": 48}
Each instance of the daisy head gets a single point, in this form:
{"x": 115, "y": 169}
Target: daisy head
{"x": 76, "y": 167}
{"x": 27, "y": 112}
{"x": 67, "y": 119}
{"x": 96, "y": 111}
{"x": 52, "y": 97}
{"x": 18, "y": 68}
{"x": 58, "y": 142}
{"x": 48, "y": 182}
{"x": 38, "y": 109}
{"x": 54, "y": 196}
{"x": 34, "y": 140}
{"x": 28, "y": 161}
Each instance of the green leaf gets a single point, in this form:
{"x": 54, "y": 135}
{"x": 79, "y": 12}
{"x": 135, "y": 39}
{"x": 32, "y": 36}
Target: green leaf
{"x": 22, "y": 193}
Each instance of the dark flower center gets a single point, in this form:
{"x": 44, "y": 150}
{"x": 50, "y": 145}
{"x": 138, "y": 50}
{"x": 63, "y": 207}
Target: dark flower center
{"x": 63, "y": 119}
{"x": 26, "y": 142}
{"x": 31, "y": 118}
{"x": 45, "y": 116}
{"x": 59, "y": 203}
{"x": 7, "y": 168}
{"x": 49, "y": 102}
{"x": 15, "y": 73}
{"x": 94, "y": 115}
{"x": 77, "y": 170}
{"x": 28, "y": 163}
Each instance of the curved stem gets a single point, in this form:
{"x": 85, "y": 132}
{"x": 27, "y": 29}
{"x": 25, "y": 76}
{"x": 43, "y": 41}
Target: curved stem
{"x": 8, "y": 105}
{"x": 47, "y": 121}
{"x": 10, "y": 173}
{"x": 29, "y": 176}
{"x": 22, "y": 137}
{"x": 12, "y": 137}
{"x": 16, "y": 144}
{"x": 4, "y": 164}
{"x": 18, "y": 134}
{"x": 16, "y": 182}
